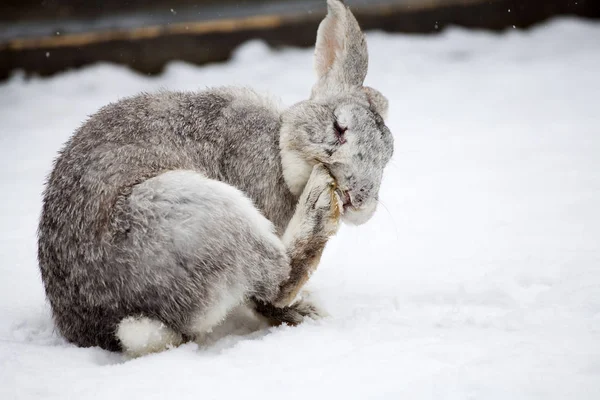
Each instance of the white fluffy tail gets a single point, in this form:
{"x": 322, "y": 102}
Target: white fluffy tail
{"x": 141, "y": 336}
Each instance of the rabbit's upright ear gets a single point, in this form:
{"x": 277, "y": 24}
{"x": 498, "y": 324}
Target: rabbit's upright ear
{"x": 341, "y": 57}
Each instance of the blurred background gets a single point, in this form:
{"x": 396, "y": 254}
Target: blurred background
{"x": 43, "y": 37}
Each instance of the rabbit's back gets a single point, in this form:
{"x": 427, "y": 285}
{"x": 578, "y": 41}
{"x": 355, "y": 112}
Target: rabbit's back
{"x": 228, "y": 134}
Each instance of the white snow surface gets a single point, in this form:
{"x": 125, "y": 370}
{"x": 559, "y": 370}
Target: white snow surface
{"x": 478, "y": 278}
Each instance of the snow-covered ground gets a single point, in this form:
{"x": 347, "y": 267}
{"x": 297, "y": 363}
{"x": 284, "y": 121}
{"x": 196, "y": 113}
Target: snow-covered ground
{"x": 478, "y": 279}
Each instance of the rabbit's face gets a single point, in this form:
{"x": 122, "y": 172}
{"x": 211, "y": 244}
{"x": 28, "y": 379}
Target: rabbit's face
{"x": 342, "y": 125}
{"x": 348, "y": 136}
{"x": 365, "y": 146}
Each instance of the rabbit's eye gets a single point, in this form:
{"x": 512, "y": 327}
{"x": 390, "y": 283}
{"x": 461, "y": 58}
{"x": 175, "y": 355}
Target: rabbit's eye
{"x": 339, "y": 132}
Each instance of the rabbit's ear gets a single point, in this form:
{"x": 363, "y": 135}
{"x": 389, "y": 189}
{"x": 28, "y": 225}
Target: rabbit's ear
{"x": 379, "y": 103}
{"x": 341, "y": 58}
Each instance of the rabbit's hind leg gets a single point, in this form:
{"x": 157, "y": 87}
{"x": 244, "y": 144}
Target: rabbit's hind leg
{"x": 201, "y": 249}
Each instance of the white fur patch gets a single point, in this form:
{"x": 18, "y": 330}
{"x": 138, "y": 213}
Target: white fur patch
{"x": 204, "y": 323}
{"x": 141, "y": 336}
{"x": 361, "y": 215}
{"x": 296, "y": 171}
{"x": 191, "y": 191}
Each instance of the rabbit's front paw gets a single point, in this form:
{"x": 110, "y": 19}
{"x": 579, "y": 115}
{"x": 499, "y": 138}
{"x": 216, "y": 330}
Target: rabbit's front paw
{"x": 320, "y": 202}
{"x": 316, "y": 219}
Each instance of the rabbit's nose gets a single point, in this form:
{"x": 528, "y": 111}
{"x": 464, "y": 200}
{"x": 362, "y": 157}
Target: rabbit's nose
{"x": 357, "y": 199}
{"x": 359, "y": 196}
{"x": 354, "y": 198}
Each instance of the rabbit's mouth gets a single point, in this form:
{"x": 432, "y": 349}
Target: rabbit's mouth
{"x": 351, "y": 212}
{"x": 345, "y": 199}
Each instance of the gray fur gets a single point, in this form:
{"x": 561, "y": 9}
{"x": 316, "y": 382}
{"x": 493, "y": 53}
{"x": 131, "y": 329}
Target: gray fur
{"x": 146, "y": 211}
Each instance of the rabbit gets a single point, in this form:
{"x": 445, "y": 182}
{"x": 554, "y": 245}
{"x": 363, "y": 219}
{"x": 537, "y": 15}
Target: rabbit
{"x": 165, "y": 211}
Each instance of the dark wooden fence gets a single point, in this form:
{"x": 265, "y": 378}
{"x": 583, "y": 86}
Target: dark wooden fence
{"x": 47, "y": 36}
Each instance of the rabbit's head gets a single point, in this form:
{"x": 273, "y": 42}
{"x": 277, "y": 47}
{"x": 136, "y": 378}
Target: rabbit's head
{"x": 342, "y": 124}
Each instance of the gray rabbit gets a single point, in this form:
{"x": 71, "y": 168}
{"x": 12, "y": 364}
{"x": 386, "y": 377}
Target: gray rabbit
{"x": 164, "y": 211}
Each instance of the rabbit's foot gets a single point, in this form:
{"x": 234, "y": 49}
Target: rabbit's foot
{"x": 293, "y": 314}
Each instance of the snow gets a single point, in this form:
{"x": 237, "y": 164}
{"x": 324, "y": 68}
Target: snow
{"x": 479, "y": 277}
